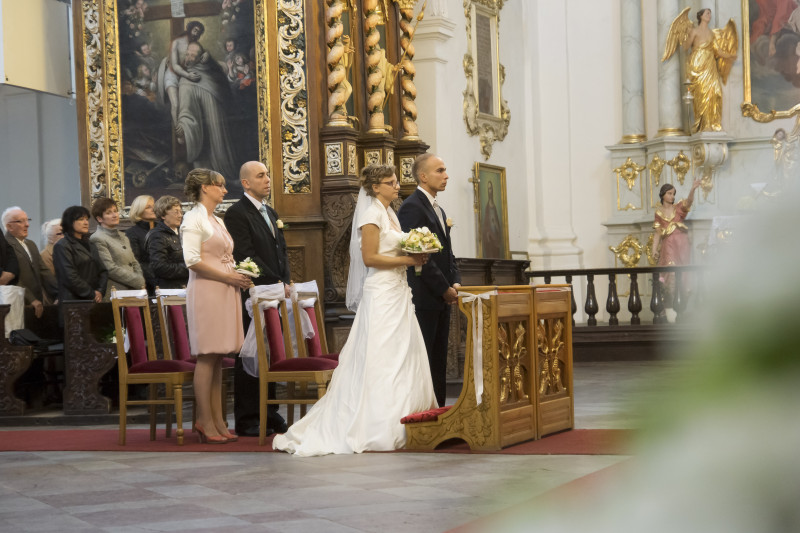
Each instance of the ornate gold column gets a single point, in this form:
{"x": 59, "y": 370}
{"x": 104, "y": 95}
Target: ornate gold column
{"x": 339, "y": 59}
{"x": 376, "y": 59}
{"x": 409, "y": 90}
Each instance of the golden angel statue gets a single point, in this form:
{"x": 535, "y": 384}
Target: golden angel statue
{"x": 713, "y": 52}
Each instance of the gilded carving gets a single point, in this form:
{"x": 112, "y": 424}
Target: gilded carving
{"x": 513, "y": 356}
{"x": 621, "y": 251}
{"x": 294, "y": 97}
{"x": 372, "y": 157}
{"x": 333, "y": 159}
{"x": 681, "y": 164}
{"x": 389, "y": 157}
{"x": 629, "y": 171}
{"x": 409, "y": 90}
{"x": 648, "y": 248}
{"x": 656, "y": 166}
{"x": 550, "y": 344}
{"x": 490, "y": 127}
{"x": 406, "y": 164}
{"x": 352, "y": 159}
{"x": 376, "y": 66}
{"x": 340, "y": 59}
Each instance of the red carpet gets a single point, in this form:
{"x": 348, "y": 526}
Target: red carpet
{"x": 574, "y": 442}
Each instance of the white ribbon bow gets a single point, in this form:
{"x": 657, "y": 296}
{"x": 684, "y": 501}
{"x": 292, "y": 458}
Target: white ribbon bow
{"x": 273, "y": 295}
{"x": 305, "y": 323}
{"x": 477, "y": 338}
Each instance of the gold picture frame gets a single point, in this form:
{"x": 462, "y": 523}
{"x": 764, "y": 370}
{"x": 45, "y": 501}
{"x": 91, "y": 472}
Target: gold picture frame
{"x": 111, "y": 30}
{"x": 768, "y": 75}
{"x": 491, "y": 229}
{"x": 486, "y": 112}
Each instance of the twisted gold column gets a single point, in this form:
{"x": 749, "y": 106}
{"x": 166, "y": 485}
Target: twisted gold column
{"x": 409, "y": 90}
{"x": 339, "y": 88}
{"x": 376, "y": 58}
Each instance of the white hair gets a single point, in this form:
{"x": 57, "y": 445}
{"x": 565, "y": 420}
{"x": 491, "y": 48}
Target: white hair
{"x": 6, "y": 218}
{"x": 49, "y": 230}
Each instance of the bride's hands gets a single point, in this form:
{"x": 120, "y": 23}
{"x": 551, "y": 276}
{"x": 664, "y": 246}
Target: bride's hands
{"x": 240, "y": 281}
{"x": 417, "y": 259}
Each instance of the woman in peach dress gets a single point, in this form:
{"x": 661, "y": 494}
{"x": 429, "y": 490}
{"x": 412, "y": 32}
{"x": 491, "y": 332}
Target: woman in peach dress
{"x": 213, "y": 302}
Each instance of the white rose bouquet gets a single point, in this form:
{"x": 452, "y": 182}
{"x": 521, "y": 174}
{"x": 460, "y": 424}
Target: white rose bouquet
{"x": 420, "y": 241}
{"x": 248, "y": 267}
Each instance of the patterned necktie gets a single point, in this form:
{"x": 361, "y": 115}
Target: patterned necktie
{"x": 266, "y": 217}
{"x": 438, "y": 211}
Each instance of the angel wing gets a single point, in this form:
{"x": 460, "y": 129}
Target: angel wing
{"x": 727, "y": 40}
{"x": 678, "y": 32}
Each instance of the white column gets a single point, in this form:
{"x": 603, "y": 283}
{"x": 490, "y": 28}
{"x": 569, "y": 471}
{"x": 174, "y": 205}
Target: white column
{"x": 552, "y": 238}
{"x": 669, "y": 75}
{"x": 632, "y": 72}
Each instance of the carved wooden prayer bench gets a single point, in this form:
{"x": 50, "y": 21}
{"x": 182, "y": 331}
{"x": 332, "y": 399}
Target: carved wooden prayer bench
{"x": 14, "y": 361}
{"x": 524, "y": 335}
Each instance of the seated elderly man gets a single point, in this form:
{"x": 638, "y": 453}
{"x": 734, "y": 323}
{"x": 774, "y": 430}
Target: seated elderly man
{"x": 39, "y": 283}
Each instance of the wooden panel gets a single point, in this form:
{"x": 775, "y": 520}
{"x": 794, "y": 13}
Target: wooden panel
{"x": 517, "y": 425}
{"x": 555, "y": 415}
{"x": 513, "y": 305}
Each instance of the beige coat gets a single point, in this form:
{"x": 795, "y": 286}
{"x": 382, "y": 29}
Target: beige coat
{"x": 124, "y": 272}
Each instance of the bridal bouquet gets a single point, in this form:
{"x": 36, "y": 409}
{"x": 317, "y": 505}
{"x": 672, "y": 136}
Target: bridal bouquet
{"x": 420, "y": 241}
{"x": 248, "y": 267}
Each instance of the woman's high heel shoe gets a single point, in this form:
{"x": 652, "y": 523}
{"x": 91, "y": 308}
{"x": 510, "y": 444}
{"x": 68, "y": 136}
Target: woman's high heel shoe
{"x": 230, "y": 437}
{"x": 205, "y": 439}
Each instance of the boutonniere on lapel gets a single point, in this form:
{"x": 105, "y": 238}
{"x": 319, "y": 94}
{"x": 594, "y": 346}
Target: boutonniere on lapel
{"x": 280, "y": 224}
{"x": 449, "y": 222}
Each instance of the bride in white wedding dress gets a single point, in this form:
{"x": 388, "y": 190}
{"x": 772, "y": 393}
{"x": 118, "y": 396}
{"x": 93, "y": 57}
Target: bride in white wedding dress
{"x": 383, "y": 373}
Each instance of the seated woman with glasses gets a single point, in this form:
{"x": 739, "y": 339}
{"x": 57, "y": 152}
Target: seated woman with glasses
{"x": 80, "y": 272}
{"x": 163, "y": 245}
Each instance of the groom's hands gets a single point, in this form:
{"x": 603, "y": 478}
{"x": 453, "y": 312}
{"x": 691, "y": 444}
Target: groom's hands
{"x": 450, "y": 296}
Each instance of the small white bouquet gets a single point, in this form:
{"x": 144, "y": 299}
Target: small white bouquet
{"x": 420, "y": 241}
{"x": 248, "y": 267}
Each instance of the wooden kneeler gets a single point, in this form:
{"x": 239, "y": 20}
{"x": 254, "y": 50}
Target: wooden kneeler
{"x": 518, "y": 361}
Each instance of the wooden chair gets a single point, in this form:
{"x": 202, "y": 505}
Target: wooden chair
{"x": 175, "y": 339}
{"x": 277, "y": 367}
{"x": 131, "y": 308}
{"x": 316, "y": 346}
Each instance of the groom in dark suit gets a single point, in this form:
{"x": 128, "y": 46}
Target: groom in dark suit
{"x": 436, "y": 289}
{"x": 256, "y": 232}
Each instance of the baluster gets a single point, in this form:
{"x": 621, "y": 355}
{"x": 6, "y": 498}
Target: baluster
{"x": 634, "y": 302}
{"x": 657, "y": 301}
{"x": 679, "y": 300}
{"x": 591, "y": 306}
{"x": 547, "y": 280}
{"x": 612, "y": 302}
{"x": 572, "y": 298}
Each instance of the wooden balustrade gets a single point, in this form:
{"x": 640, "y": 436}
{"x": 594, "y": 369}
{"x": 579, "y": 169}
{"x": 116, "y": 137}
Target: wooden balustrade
{"x": 657, "y": 294}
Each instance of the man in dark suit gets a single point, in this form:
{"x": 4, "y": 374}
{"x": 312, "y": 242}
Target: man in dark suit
{"x": 34, "y": 276}
{"x": 257, "y": 233}
{"x": 436, "y": 289}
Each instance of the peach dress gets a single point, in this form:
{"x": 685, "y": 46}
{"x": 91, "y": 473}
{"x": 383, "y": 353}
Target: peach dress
{"x": 213, "y": 308}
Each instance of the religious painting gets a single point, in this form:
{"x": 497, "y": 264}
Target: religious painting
{"x": 188, "y": 91}
{"x": 486, "y": 113}
{"x": 168, "y": 86}
{"x": 771, "y": 50}
{"x": 492, "y": 211}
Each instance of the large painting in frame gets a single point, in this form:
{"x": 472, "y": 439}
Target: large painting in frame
{"x": 170, "y": 86}
{"x": 771, "y": 50}
{"x": 491, "y": 207}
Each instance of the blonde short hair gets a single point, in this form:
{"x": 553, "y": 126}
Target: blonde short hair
{"x": 138, "y": 206}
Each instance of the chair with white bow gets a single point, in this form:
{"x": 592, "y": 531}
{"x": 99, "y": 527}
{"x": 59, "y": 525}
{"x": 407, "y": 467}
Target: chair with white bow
{"x": 310, "y": 322}
{"x": 276, "y": 359}
{"x": 132, "y": 323}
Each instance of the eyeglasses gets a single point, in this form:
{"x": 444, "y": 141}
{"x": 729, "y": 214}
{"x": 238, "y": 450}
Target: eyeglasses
{"x": 21, "y": 221}
{"x": 392, "y": 184}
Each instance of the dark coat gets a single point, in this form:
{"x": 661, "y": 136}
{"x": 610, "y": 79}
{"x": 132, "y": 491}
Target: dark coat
{"x": 33, "y": 274}
{"x": 440, "y": 272}
{"x": 165, "y": 252}
{"x": 252, "y": 238}
{"x": 79, "y": 269}
{"x": 137, "y": 234}
{"x": 8, "y": 261}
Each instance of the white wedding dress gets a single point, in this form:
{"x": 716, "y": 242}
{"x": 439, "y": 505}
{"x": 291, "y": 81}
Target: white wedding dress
{"x": 383, "y": 373}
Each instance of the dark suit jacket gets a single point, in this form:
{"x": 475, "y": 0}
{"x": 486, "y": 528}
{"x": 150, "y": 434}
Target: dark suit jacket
{"x": 79, "y": 269}
{"x": 440, "y": 272}
{"x": 8, "y": 261}
{"x": 252, "y": 238}
{"x": 33, "y": 274}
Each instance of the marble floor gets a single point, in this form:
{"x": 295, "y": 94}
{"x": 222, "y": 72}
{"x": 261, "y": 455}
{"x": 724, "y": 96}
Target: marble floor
{"x": 129, "y": 491}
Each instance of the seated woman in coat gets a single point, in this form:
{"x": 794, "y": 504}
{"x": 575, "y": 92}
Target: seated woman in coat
{"x": 80, "y": 272}
{"x": 163, "y": 245}
{"x": 124, "y": 272}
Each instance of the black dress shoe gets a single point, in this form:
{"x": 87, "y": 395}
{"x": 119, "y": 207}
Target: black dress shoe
{"x": 252, "y": 431}
{"x": 278, "y": 427}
